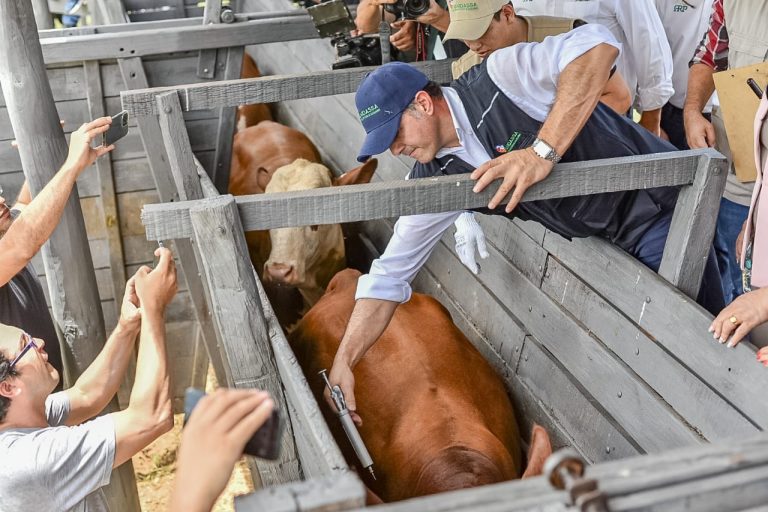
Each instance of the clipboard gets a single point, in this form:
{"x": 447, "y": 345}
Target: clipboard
{"x": 738, "y": 105}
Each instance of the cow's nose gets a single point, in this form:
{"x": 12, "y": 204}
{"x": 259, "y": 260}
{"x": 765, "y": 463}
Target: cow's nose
{"x": 280, "y": 272}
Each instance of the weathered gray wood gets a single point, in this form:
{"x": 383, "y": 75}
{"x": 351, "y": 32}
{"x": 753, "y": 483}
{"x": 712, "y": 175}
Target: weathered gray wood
{"x": 339, "y": 492}
{"x": 110, "y": 11}
{"x": 708, "y": 413}
{"x": 108, "y": 201}
{"x": 239, "y": 317}
{"x": 179, "y": 150}
{"x": 73, "y": 290}
{"x": 134, "y": 76}
{"x": 673, "y": 320}
{"x": 209, "y": 189}
{"x": 227, "y": 120}
{"x": 431, "y": 195}
{"x": 43, "y": 17}
{"x": 174, "y": 39}
{"x": 206, "y": 62}
{"x": 693, "y": 227}
{"x": 269, "y": 89}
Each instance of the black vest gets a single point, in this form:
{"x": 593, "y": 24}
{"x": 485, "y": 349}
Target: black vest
{"x": 501, "y": 126}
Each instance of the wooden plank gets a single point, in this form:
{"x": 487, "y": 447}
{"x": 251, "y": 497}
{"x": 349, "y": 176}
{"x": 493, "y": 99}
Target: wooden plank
{"x": 701, "y": 406}
{"x": 227, "y": 120}
{"x": 239, "y": 318}
{"x": 111, "y": 10}
{"x": 179, "y": 150}
{"x": 693, "y": 227}
{"x": 337, "y": 492}
{"x": 206, "y": 61}
{"x": 673, "y": 320}
{"x": 268, "y": 89}
{"x": 42, "y": 147}
{"x": 66, "y": 83}
{"x": 175, "y": 39}
{"x": 430, "y": 195}
{"x": 43, "y": 17}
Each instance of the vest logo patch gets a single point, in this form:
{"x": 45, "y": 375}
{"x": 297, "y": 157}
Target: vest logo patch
{"x": 680, "y": 8}
{"x": 515, "y": 141}
{"x": 368, "y": 112}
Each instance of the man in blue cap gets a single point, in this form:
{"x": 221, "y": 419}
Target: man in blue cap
{"x": 513, "y": 117}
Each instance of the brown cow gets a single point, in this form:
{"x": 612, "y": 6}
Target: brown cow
{"x": 257, "y": 152}
{"x": 251, "y": 115}
{"x": 308, "y": 257}
{"x": 436, "y": 416}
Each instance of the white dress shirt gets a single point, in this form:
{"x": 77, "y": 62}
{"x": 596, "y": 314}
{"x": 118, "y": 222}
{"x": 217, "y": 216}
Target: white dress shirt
{"x": 646, "y": 63}
{"x": 527, "y": 73}
{"x": 685, "y": 24}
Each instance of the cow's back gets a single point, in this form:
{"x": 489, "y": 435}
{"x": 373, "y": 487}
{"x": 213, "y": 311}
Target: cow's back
{"x": 435, "y": 415}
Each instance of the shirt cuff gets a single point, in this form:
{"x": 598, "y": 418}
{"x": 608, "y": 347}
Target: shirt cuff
{"x": 374, "y": 286}
{"x": 652, "y": 99}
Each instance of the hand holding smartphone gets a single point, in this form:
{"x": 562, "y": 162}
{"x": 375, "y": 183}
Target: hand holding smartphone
{"x": 117, "y": 130}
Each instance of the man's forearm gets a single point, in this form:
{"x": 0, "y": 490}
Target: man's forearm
{"x": 578, "y": 90}
{"x": 701, "y": 85}
{"x": 151, "y": 389}
{"x": 24, "y": 197}
{"x": 35, "y": 224}
{"x": 101, "y": 380}
{"x": 369, "y": 319}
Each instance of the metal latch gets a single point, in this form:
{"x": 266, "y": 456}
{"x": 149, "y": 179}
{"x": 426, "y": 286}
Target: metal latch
{"x": 565, "y": 471}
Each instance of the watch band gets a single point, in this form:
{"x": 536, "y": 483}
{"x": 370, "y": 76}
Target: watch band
{"x": 545, "y": 151}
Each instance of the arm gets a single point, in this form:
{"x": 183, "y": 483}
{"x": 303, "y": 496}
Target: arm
{"x": 436, "y": 16}
{"x": 380, "y": 291}
{"x": 35, "y": 224}
{"x": 369, "y": 14}
{"x": 24, "y": 198}
{"x": 149, "y": 413}
{"x": 616, "y": 94}
{"x": 578, "y": 65}
{"x": 651, "y": 56}
{"x": 101, "y": 380}
{"x": 710, "y": 56}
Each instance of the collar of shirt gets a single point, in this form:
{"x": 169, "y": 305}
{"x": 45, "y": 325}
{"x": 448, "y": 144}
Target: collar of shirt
{"x": 469, "y": 149}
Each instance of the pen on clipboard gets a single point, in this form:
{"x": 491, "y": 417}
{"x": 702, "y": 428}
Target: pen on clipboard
{"x": 755, "y": 88}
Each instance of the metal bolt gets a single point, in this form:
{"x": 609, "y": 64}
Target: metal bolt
{"x": 167, "y": 110}
{"x": 607, "y": 449}
{"x": 717, "y": 171}
{"x": 637, "y": 351}
{"x": 648, "y": 300}
{"x": 205, "y": 70}
{"x": 530, "y": 309}
{"x": 541, "y": 269}
{"x": 517, "y": 349}
{"x": 221, "y": 230}
{"x": 618, "y": 394}
{"x": 526, "y": 357}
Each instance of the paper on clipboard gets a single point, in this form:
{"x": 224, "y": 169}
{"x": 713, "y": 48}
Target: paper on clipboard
{"x": 738, "y": 105}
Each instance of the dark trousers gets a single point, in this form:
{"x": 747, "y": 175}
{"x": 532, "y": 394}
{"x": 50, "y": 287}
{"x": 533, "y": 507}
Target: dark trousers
{"x": 650, "y": 249}
{"x": 729, "y": 221}
{"x": 672, "y": 123}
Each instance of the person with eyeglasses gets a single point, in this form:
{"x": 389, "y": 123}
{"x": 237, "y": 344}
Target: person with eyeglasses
{"x": 26, "y": 227}
{"x": 54, "y": 455}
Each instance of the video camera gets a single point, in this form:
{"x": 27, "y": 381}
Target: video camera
{"x": 332, "y": 19}
{"x": 408, "y": 9}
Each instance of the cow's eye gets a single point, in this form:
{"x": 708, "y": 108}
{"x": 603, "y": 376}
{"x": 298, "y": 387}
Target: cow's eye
{"x": 314, "y": 228}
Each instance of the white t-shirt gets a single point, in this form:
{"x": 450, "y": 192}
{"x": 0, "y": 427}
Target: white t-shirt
{"x": 57, "y": 468}
{"x": 527, "y": 73}
{"x": 685, "y": 23}
{"x": 646, "y": 63}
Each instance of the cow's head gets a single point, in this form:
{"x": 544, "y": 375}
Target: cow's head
{"x": 308, "y": 257}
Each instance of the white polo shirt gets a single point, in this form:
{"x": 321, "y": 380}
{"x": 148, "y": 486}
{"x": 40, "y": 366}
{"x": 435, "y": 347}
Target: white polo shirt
{"x": 527, "y": 73}
{"x": 646, "y": 63}
{"x": 685, "y": 23}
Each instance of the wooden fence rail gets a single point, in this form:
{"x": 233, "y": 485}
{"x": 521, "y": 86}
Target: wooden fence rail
{"x": 271, "y": 89}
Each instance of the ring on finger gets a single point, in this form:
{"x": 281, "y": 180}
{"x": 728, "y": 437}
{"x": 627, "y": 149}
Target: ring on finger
{"x": 733, "y": 320}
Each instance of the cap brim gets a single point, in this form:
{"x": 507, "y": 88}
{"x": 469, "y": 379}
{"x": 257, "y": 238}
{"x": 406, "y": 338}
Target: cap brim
{"x": 468, "y": 30}
{"x": 380, "y": 138}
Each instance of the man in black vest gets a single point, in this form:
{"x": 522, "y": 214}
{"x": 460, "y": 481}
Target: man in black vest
{"x": 24, "y": 231}
{"x": 513, "y": 117}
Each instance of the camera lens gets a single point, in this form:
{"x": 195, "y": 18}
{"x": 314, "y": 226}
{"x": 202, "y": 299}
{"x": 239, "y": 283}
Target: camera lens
{"x": 415, "y": 8}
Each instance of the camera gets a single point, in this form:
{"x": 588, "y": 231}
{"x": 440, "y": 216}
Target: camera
{"x": 408, "y": 9}
{"x": 332, "y": 19}
{"x": 264, "y": 443}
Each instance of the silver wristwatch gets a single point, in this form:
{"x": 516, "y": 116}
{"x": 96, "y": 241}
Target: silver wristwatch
{"x": 545, "y": 151}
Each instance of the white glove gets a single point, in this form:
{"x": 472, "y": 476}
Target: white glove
{"x": 469, "y": 236}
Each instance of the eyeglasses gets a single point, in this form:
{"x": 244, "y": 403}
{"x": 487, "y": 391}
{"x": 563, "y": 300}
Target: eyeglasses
{"x": 29, "y": 344}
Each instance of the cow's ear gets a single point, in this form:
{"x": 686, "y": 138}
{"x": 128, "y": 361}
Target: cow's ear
{"x": 358, "y": 175}
{"x": 262, "y": 178}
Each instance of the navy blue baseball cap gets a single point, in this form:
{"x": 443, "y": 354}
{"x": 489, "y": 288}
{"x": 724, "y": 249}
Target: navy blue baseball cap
{"x": 381, "y": 99}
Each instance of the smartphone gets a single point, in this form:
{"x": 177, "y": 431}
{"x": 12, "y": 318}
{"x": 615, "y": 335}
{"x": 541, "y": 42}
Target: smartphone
{"x": 117, "y": 130}
{"x": 265, "y": 442}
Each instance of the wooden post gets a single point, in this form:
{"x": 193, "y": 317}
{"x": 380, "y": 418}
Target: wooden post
{"x": 693, "y": 226}
{"x": 67, "y": 257}
{"x": 184, "y": 168}
{"x": 43, "y": 18}
{"x": 239, "y": 318}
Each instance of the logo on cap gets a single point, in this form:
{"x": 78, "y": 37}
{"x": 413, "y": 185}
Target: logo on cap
{"x": 368, "y": 112}
{"x": 463, "y": 6}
